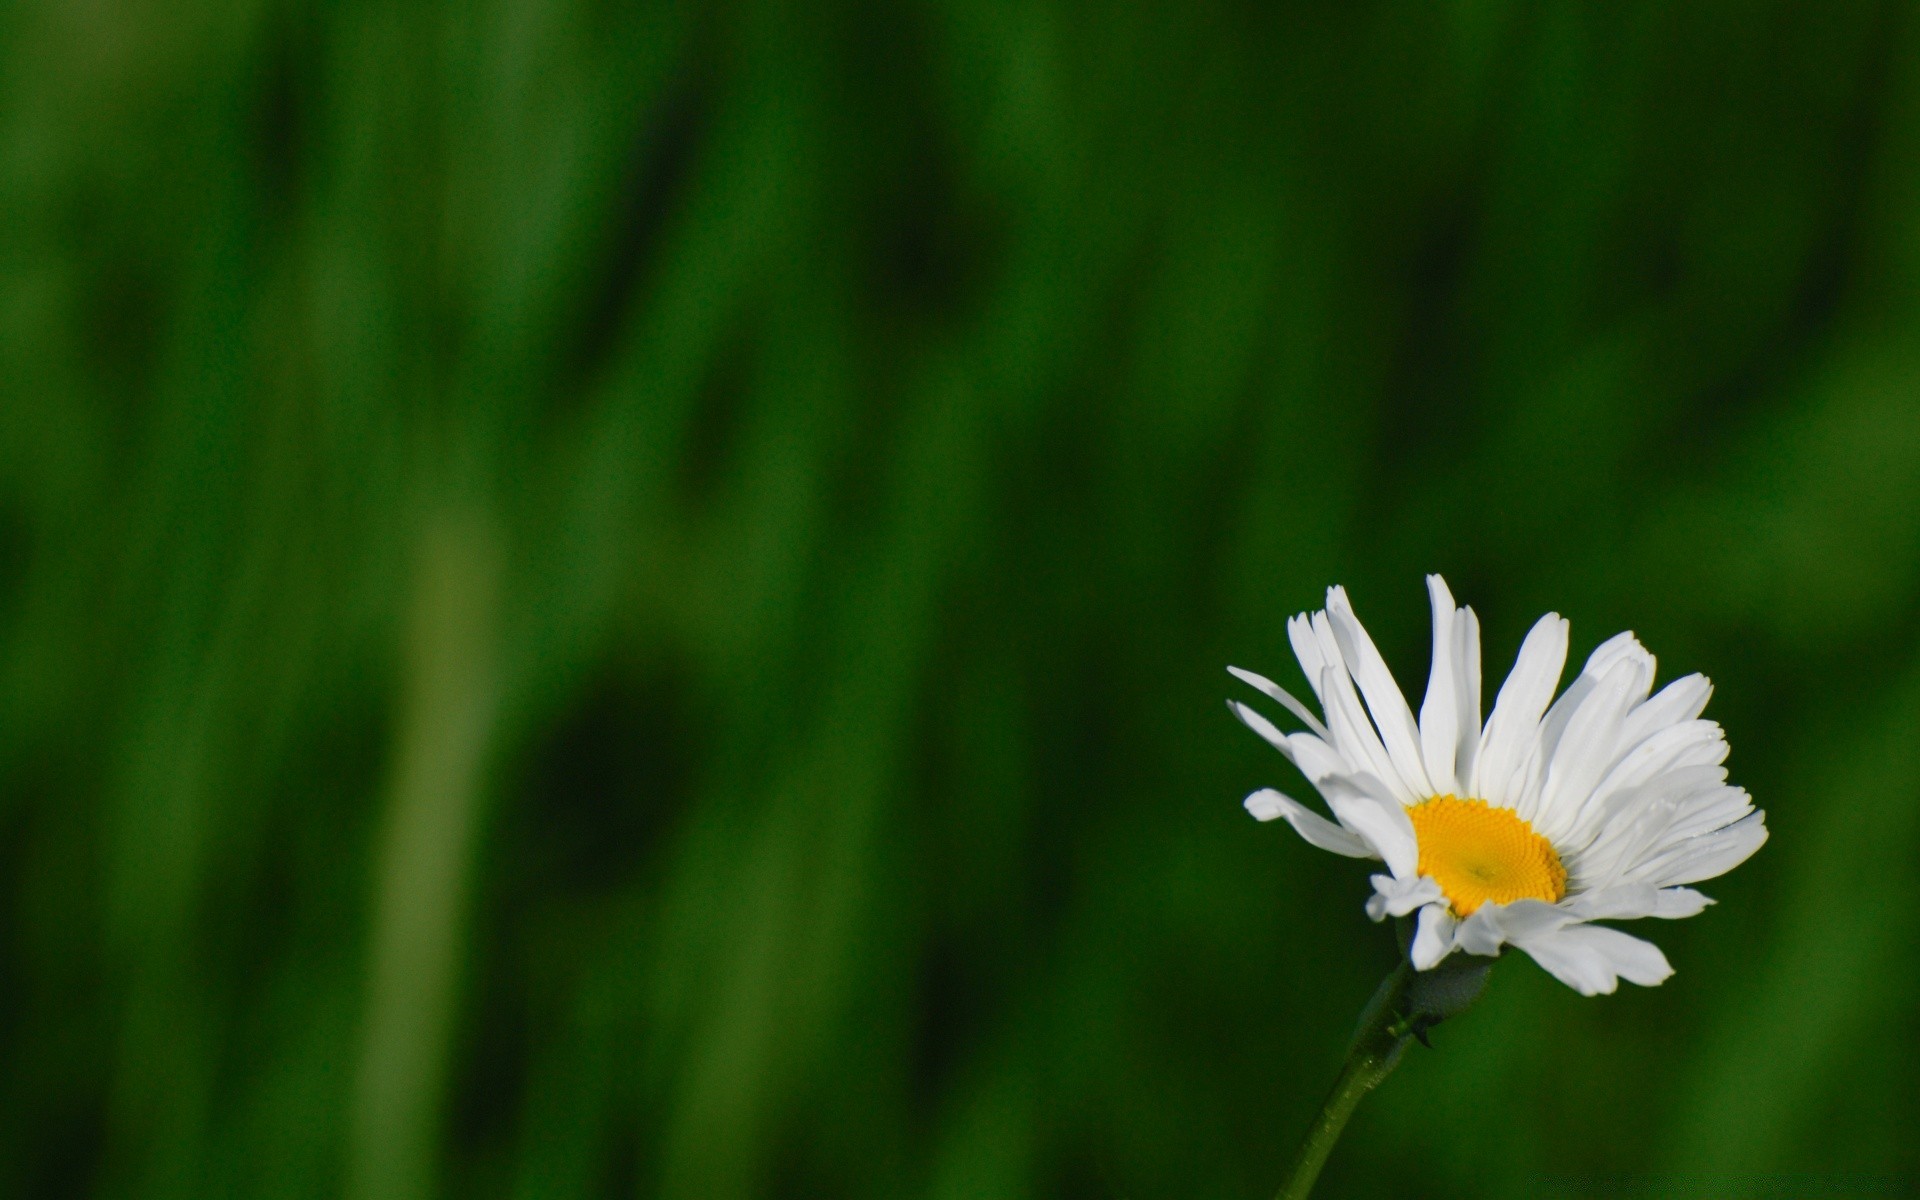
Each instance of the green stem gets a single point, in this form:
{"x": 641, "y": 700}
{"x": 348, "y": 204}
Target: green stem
{"x": 1377, "y": 1045}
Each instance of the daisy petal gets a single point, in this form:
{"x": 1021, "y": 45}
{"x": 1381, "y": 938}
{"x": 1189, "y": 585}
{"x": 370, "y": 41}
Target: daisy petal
{"x": 1526, "y": 918}
{"x": 1512, "y": 731}
{"x": 1440, "y": 712}
{"x": 1466, "y": 675}
{"x": 1364, "y": 805}
{"x": 1260, "y": 725}
{"x": 1385, "y": 702}
{"x": 1635, "y": 960}
{"x": 1267, "y": 804}
{"x": 1706, "y": 856}
{"x": 1621, "y": 647}
{"x": 1354, "y": 736}
{"x": 1592, "y": 959}
{"x": 1682, "y": 700}
{"x": 1677, "y": 903}
{"x": 1432, "y": 938}
{"x": 1276, "y": 692}
{"x": 1689, "y": 744}
{"x": 1398, "y": 897}
{"x": 1480, "y": 933}
{"x": 1307, "y": 648}
{"x": 1635, "y": 900}
{"x": 1589, "y": 745}
{"x": 1315, "y": 758}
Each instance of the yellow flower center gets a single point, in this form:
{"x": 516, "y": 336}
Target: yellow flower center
{"x": 1478, "y": 853}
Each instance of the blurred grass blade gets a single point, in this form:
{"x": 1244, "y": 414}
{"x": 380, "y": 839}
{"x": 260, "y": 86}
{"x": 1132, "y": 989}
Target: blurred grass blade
{"x": 423, "y": 863}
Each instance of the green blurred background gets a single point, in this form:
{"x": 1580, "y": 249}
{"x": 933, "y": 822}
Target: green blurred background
{"x": 631, "y": 601}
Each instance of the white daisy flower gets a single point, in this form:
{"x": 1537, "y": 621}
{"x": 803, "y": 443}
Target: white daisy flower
{"x": 1596, "y": 806}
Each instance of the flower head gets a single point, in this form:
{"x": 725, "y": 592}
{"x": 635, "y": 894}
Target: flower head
{"x": 1554, "y": 813}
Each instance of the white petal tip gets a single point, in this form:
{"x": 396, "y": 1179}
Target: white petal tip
{"x": 1253, "y": 679}
{"x": 1265, "y": 805}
